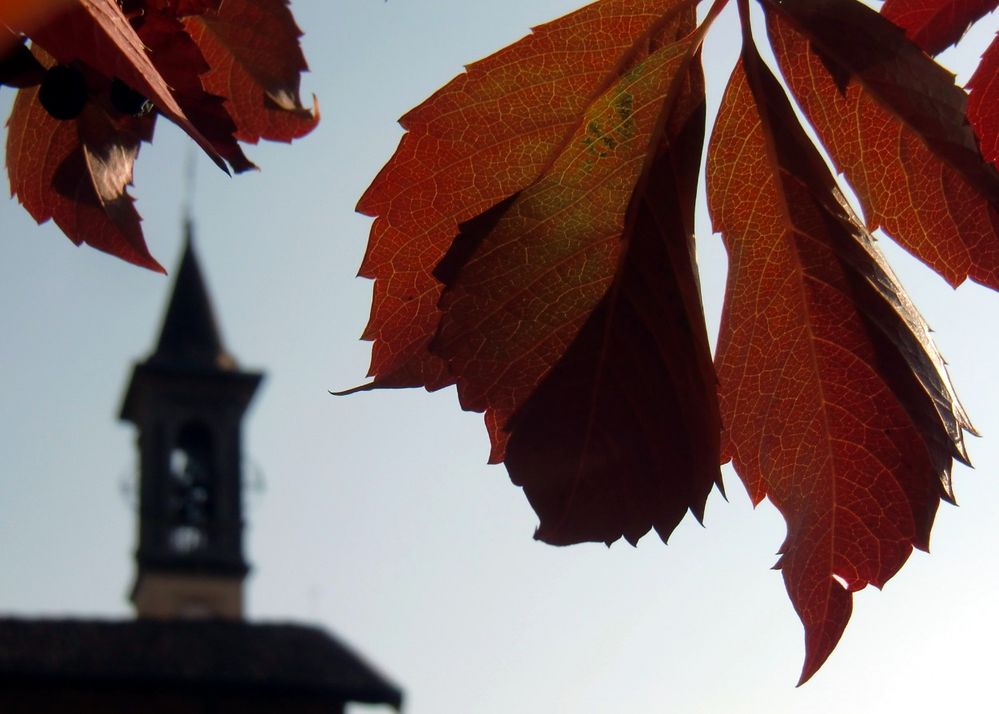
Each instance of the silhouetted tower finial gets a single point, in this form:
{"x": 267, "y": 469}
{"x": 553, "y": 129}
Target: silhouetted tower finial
{"x": 187, "y": 400}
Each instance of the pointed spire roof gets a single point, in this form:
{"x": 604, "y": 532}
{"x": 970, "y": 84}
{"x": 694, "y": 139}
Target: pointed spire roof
{"x": 190, "y": 336}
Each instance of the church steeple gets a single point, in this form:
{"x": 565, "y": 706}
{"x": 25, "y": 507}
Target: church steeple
{"x": 190, "y": 333}
{"x": 187, "y": 400}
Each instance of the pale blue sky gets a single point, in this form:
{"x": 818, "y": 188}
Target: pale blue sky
{"x": 380, "y": 519}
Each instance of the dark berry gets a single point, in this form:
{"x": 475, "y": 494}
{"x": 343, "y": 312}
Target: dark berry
{"x": 63, "y": 92}
{"x": 19, "y": 68}
{"x": 127, "y": 101}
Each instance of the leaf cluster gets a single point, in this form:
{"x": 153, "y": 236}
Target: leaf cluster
{"x": 99, "y": 72}
{"x": 533, "y": 244}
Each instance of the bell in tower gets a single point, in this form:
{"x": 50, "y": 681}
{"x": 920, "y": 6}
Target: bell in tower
{"x": 187, "y": 400}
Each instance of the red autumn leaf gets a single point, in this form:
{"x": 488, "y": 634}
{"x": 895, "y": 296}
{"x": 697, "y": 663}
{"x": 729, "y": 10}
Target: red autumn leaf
{"x": 935, "y": 25}
{"x": 983, "y": 102}
{"x": 573, "y": 319}
{"x": 895, "y": 124}
{"x": 482, "y": 138}
{"x": 619, "y": 278}
{"x": 76, "y": 173}
{"x": 180, "y": 62}
{"x": 181, "y": 8}
{"x": 96, "y": 33}
{"x": 112, "y": 57}
{"x": 252, "y": 49}
{"x": 836, "y": 424}
{"x": 532, "y": 244}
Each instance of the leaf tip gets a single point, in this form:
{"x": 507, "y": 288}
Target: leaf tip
{"x": 370, "y": 386}
{"x": 812, "y": 665}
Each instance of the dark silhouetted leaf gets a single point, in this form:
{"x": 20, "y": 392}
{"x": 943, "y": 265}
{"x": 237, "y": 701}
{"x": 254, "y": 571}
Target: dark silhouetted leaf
{"x": 935, "y": 25}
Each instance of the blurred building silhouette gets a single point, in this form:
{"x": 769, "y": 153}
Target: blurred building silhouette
{"x": 190, "y": 648}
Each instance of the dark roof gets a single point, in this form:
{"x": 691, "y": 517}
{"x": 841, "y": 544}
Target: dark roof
{"x": 190, "y": 336}
{"x": 182, "y": 655}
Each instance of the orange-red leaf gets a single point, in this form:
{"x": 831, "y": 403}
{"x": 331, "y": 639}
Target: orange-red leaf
{"x": 894, "y": 123}
{"x": 256, "y": 64}
{"x": 76, "y": 173}
{"x": 573, "y": 318}
{"x": 835, "y": 402}
{"x": 935, "y": 25}
{"x": 128, "y": 52}
{"x": 96, "y": 33}
{"x": 571, "y": 313}
{"x": 983, "y": 102}
{"x": 181, "y": 64}
{"x": 483, "y": 137}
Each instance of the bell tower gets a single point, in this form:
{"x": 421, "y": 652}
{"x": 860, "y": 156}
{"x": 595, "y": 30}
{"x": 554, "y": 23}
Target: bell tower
{"x": 187, "y": 400}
